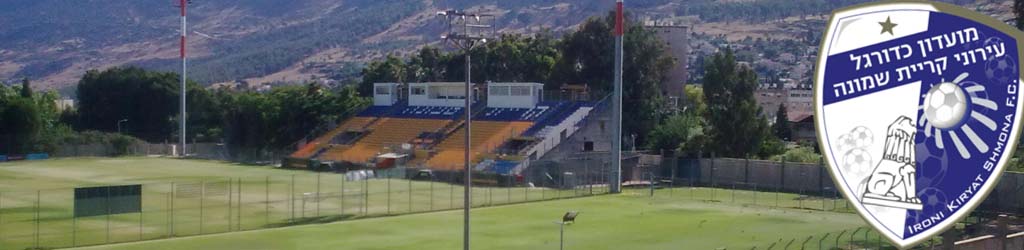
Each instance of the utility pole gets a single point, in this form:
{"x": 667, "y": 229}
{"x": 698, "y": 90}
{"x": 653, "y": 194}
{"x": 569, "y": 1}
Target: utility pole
{"x": 183, "y": 4}
{"x": 616, "y": 176}
{"x": 466, "y": 31}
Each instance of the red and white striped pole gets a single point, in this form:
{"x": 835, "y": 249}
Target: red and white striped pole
{"x": 616, "y": 175}
{"x": 184, "y": 64}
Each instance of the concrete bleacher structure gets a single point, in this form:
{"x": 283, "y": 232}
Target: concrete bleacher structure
{"x": 435, "y": 111}
{"x": 388, "y": 132}
{"x": 485, "y": 137}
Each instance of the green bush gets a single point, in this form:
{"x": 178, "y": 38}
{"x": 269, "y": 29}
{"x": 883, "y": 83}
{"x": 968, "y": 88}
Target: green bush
{"x": 799, "y": 154}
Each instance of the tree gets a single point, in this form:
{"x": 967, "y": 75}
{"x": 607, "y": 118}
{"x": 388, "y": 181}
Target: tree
{"x": 20, "y": 127}
{"x": 392, "y": 69}
{"x": 426, "y": 66}
{"x": 26, "y": 88}
{"x": 256, "y": 122}
{"x": 1018, "y": 9}
{"x": 587, "y": 58}
{"x": 695, "y": 99}
{"x": 736, "y": 128}
{"x": 682, "y": 132}
{"x": 782, "y": 129}
{"x": 149, "y": 100}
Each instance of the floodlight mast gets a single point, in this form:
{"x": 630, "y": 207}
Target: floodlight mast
{"x": 183, "y": 4}
{"x": 616, "y": 171}
{"x": 472, "y": 35}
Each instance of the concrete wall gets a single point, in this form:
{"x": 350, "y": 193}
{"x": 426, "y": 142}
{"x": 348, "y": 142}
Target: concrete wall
{"x": 801, "y": 178}
{"x": 553, "y": 134}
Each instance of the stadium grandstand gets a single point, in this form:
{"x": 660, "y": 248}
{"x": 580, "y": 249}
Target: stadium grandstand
{"x": 422, "y": 126}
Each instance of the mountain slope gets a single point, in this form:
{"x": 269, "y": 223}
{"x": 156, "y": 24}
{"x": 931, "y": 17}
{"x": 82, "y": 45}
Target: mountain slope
{"x": 53, "y": 42}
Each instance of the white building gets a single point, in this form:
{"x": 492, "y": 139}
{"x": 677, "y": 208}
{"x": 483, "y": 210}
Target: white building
{"x": 385, "y": 94}
{"x": 442, "y": 94}
{"x": 514, "y": 94}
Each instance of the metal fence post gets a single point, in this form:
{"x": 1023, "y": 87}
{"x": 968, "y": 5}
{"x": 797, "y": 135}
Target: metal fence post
{"x": 107, "y": 216}
{"x": 543, "y": 191}
{"x": 508, "y": 182}
{"x": 231, "y": 199}
{"x": 410, "y": 194}
{"x": 800, "y": 197}
{"x": 317, "y": 195}
{"x": 734, "y": 193}
{"x": 366, "y": 195}
{"x": 526, "y": 191}
{"x": 238, "y": 213}
{"x": 74, "y": 229}
{"x": 388, "y": 194}
{"x": 140, "y": 217}
{"x": 777, "y": 190}
{"x": 2, "y": 217}
{"x": 38, "y": 195}
{"x": 170, "y": 211}
{"x": 754, "y": 192}
{"x": 431, "y": 192}
{"x": 291, "y": 199}
{"x": 343, "y": 195}
{"x": 202, "y": 198}
{"x": 451, "y": 191}
{"x": 266, "y": 201}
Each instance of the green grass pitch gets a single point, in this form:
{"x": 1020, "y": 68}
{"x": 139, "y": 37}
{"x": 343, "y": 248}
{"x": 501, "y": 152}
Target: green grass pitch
{"x": 679, "y": 218}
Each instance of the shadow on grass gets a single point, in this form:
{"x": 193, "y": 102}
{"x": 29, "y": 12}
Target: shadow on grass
{"x": 312, "y": 220}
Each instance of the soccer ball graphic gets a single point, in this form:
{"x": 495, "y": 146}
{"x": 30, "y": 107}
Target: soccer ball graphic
{"x": 857, "y": 163}
{"x": 932, "y": 197}
{"x": 861, "y": 137}
{"x": 945, "y": 105}
{"x": 1001, "y": 70}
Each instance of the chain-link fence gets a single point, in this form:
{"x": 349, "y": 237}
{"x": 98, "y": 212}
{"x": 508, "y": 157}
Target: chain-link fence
{"x": 46, "y": 218}
{"x": 804, "y": 179}
{"x": 782, "y": 185}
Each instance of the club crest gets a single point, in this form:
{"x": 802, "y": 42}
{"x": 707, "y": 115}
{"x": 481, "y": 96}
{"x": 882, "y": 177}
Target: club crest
{"x": 917, "y": 112}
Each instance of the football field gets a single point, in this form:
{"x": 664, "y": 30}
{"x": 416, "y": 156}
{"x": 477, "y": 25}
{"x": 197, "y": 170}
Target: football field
{"x": 604, "y": 222}
{"x": 258, "y": 207}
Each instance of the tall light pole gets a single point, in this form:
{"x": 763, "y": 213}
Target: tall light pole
{"x": 466, "y": 31}
{"x": 183, "y": 4}
{"x": 616, "y": 176}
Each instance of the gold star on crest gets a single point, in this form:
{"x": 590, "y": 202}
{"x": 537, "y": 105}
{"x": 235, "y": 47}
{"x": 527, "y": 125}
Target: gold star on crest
{"x": 887, "y": 26}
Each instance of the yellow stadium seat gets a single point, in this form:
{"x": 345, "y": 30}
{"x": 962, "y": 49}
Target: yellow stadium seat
{"x": 487, "y": 135}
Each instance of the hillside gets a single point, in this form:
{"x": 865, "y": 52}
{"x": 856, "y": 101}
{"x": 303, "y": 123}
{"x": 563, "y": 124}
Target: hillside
{"x": 53, "y": 42}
